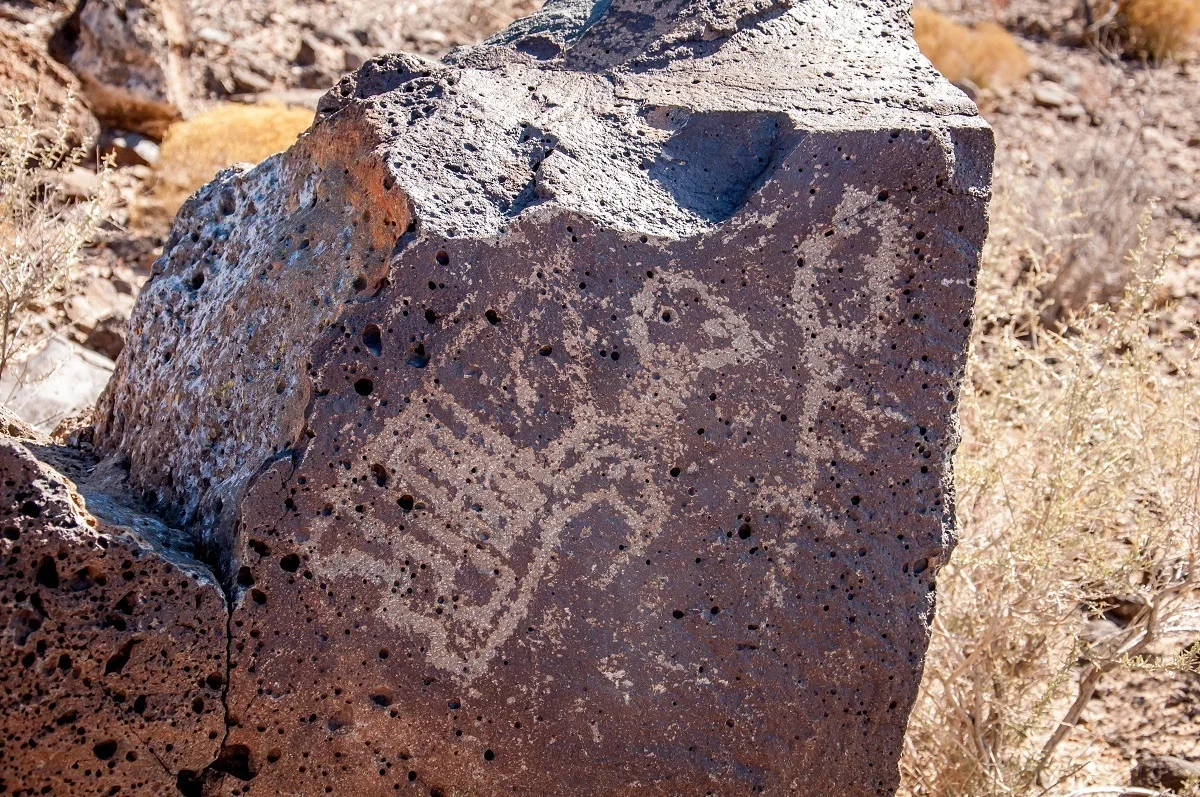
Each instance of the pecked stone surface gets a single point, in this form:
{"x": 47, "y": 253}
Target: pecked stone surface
{"x": 114, "y": 649}
{"x": 574, "y": 416}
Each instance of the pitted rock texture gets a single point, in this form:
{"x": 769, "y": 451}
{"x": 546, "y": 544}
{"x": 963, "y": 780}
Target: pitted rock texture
{"x": 574, "y": 416}
{"x": 114, "y": 649}
{"x": 258, "y": 264}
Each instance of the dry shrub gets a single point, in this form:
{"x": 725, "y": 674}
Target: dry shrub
{"x": 195, "y": 150}
{"x": 986, "y": 55}
{"x": 1159, "y": 30}
{"x": 1077, "y": 480}
{"x": 43, "y": 227}
{"x": 1079, "y": 223}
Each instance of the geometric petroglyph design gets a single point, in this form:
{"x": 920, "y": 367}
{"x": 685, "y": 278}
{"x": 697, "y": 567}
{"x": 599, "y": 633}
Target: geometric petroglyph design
{"x": 488, "y": 528}
{"x": 489, "y": 514}
{"x": 489, "y": 524}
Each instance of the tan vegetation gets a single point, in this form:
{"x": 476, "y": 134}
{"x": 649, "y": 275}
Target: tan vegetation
{"x": 986, "y": 54}
{"x": 1077, "y": 481}
{"x": 1079, "y": 225}
{"x": 44, "y": 228}
{"x": 1159, "y": 30}
{"x": 194, "y": 151}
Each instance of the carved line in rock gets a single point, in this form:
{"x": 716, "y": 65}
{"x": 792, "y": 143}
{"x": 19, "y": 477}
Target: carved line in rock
{"x": 509, "y": 527}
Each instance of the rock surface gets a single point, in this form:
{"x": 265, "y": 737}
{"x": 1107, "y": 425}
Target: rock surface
{"x": 130, "y": 57}
{"x": 574, "y": 416}
{"x": 56, "y": 382}
{"x": 1164, "y": 772}
{"x": 114, "y": 648}
{"x": 46, "y": 85}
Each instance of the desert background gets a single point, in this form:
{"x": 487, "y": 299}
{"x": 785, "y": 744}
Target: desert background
{"x": 1065, "y": 657}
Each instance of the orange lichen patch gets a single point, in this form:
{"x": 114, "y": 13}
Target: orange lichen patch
{"x": 1160, "y": 29}
{"x": 986, "y": 54}
{"x": 194, "y": 151}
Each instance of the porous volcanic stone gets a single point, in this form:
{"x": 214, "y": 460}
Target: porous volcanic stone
{"x": 114, "y": 650}
{"x": 574, "y": 416}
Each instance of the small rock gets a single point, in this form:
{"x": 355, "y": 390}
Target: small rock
{"x": 129, "y": 57}
{"x": 128, "y": 149}
{"x": 59, "y": 381}
{"x": 1159, "y": 140}
{"x": 1189, "y": 209}
{"x": 107, "y": 337}
{"x": 97, "y": 299}
{"x": 1052, "y": 95}
{"x": 246, "y": 81}
{"x": 1050, "y": 71}
{"x": 214, "y": 36}
{"x": 1072, "y": 111}
{"x": 306, "y": 54}
{"x": 1164, "y": 772}
{"x": 11, "y": 425}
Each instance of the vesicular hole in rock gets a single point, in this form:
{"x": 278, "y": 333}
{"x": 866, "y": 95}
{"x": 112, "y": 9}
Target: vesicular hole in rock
{"x": 372, "y": 338}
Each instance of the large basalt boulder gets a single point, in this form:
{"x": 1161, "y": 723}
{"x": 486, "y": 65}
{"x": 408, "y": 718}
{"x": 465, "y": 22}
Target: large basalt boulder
{"x": 574, "y": 416}
{"x": 114, "y": 647}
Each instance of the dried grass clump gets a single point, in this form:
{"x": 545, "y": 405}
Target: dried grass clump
{"x": 1078, "y": 483}
{"x": 986, "y": 55}
{"x": 1159, "y": 30}
{"x": 194, "y": 151}
{"x": 1079, "y": 224}
{"x": 43, "y": 228}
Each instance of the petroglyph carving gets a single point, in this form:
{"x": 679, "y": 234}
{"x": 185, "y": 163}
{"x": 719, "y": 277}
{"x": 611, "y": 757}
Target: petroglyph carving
{"x": 574, "y": 416}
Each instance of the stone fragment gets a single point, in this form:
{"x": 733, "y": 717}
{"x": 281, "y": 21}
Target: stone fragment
{"x": 1166, "y": 772}
{"x": 1052, "y": 95}
{"x": 45, "y": 86}
{"x": 128, "y": 149}
{"x": 55, "y": 382}
{"x": 114, "y": 648}
{"x": 95, "y": 298}
{"x": 130, "y": 57}
{"x": 107, "y": 337}
{"x": 214, "y": 36}
{"x": 1189, "y": 209}
{"x": 574, "y": 416}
